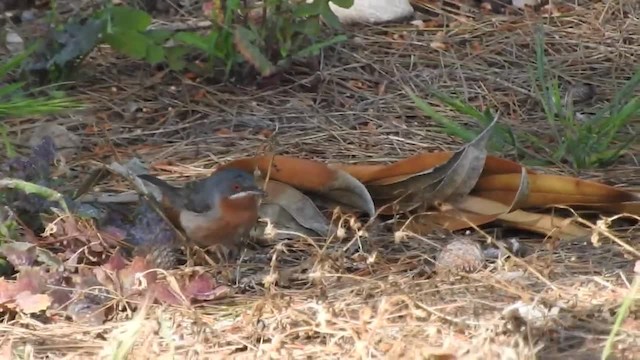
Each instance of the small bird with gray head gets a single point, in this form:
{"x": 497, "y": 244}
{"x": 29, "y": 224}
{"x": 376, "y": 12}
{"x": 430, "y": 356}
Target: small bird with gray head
{"x": 218, "y": 210}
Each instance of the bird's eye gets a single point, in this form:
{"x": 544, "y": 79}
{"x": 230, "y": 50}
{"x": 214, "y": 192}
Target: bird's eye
{"x": 236, "y": 187}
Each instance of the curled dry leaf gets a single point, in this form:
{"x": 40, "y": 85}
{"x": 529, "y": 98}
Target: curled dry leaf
{"x": 548, "y": 190}
{"x": 203, "y": 287}
{"x": 450, "y": 219}
{"x": 553, "y": 226}
{"x": 449, "y": 181}
{"x": 518, "y": 199}
{"x": 292, "y": 210}
{"x": 128, "y": 276}
{"x": 403, "y": 169}
{"x": 541, "y": 223}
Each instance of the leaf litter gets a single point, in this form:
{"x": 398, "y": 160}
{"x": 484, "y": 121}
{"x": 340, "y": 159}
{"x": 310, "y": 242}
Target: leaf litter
{"x": 347, "y": 294}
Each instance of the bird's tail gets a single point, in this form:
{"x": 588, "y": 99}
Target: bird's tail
{"x": 163, "y": 185}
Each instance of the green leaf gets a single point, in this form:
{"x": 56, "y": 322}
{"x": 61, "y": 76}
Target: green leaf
{"x": 175, "y": 57}
{"x": 450, "y": 127}
{"x": 9, "y": 150}
{"x": 15, "y": 61}
{"x": 158, "y": 36}
{"x": 310, "y": 27}
{"x": 32, "y": 107}
{"x": 155, "y": 54}
{"x": 315, "y": 48}
{"x": 80, "y": 40}
{"x": 252, "y": 53}
{"x": 198, "y": 41}
{"x": 627, "y": 91}
{"x": 330, "y": 17}
{"x": 128, "y": 18}
{"x": 130, "y": 43}
{"x": 10, "y": 89}
{"x": 461, "y": 107}
{"x": 309, "y": 9}
{"x": 345, "y": 4}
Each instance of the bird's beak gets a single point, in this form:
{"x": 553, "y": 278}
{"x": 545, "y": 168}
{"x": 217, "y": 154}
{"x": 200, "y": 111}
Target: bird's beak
{"x": 252, "y": 192}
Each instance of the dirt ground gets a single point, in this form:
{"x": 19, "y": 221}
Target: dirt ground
{"x": 381, "y": 301}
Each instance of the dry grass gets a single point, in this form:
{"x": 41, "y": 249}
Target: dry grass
{"x": 375, "y": 297}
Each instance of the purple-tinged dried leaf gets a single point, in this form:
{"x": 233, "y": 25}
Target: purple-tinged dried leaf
{"x": 95, "y": 289}
{"x": 8, "y": 290}
{"x": 59, "y": 297}
{"x": 32, "y": 303}
{"x": 32, "y": 280}
{"x": 127, "y": 276}
{"x": 166, "y": 295}
{"x": 25, "y": 254}
{"x": 116, "y": 262}
{"x": 19, "y": 254}
{"x": 204, "y": 287}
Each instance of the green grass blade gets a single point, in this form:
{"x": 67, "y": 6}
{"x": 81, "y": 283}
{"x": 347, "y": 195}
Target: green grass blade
{"x": 450, "y": 127}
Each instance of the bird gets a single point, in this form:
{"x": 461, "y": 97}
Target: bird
{"x": 219, "y": 210}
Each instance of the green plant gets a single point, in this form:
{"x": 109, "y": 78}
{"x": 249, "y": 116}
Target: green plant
{"x": 623, "y": 314}
{"x": 15, "y": 100}
{"x": 284, "y": 31}
{"x": 590, "y": 143}
{"x": 583, "y": 144}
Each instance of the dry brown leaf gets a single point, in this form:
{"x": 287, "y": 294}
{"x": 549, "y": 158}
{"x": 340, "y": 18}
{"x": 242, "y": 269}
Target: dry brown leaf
{"x": 446, "y": 182}
{"x": 457, "y": 219}
{"x": 546, "y": 224}
{"x": 498, "y": 189}
{"x": 32, "y": 303}
{"x": 451, "y": 219}
{"x": 553, "y": 226}
{"x": 627, "y": 207}
{"x": 495, "y": 165}
{"x": 480, "y": 206}
{"x": 292, "y": 210}
{"x": 546, "y": 190}
{"x": 403, "y": 169}
{"x": 398, "y": 171}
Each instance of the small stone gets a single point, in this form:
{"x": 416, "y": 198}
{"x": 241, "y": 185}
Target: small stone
{"x": 460, "y": 255}
{"x": 14, "y": 42}
{"x": 581, "y": 92}
{"x": 67, "y": 144}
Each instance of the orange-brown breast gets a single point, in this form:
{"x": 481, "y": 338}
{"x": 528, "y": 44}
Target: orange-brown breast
{"x": 234, "y": 221}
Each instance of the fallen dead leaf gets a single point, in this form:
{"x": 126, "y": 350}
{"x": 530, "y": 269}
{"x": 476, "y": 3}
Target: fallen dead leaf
{"x": 292, "y": 210}
{"x": 32, "y": 303}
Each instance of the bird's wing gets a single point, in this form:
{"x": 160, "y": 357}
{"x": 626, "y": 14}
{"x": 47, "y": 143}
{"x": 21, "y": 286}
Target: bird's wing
{"x": 196, "y": 198}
